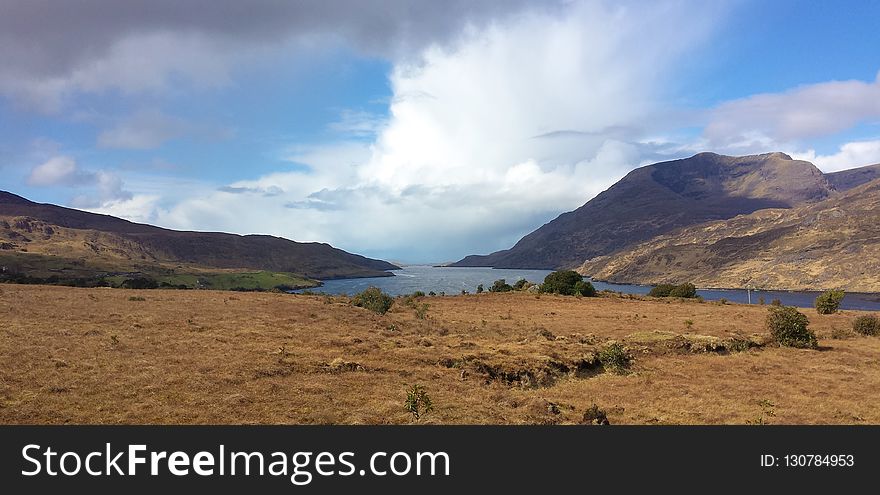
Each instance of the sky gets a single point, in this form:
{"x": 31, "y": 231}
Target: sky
{"x": 413, "y": 131}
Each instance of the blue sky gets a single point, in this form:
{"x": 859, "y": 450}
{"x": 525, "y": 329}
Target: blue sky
{"x": 407, "y": 130}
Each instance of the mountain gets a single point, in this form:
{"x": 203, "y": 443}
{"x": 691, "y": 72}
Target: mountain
{"x": 659, "y": 198}
{"x": 111, "y": 244}
{"x": 834, "y": 243}
{"x": 848, "y": 179}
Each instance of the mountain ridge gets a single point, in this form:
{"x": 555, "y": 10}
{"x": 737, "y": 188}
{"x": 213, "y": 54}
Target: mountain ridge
{"x": 834, "y": 243}
{"x": 661, "y": 197}
{"x": 147, "y": 243}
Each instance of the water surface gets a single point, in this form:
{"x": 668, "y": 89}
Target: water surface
{"x": 452, "y": 281}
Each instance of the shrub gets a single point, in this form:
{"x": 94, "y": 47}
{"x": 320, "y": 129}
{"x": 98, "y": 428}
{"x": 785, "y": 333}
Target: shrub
{"x": 140, "y": 283}
{"x": 136, "y": 298}
{"x": 789, "y": 327}
{"x": 584, "y": 288}
{"x": 561, "y": 282}
{"x": 480, "y": 289}
{"x": 421, "y": 311}
{"x": 686, "y": 290}
{"x": 662, "y": 290}
{"x": 867, "y": 325}
{"x": 418, "y": 403}
{"x": 520, "y": 284}
{"x": 373, "y": 299}
{"x": 776, "y": 302}
{"x": 829, "y": 302}
{"x": 615, "y": 358}
{"x": 418, "y": 293}
{"x": 500, "y": 285}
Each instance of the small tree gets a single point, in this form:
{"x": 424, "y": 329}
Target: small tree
{"x": 829, "y": 302}
{"x": 500, "y": 285}
{"x": 686, "y": 290}
{"x": 662, "y": 290}
{"x": 789, "y": 327}
{"x": 480, "y": 289}
{"x": 561, "y": 282}
{"x": 373, "y": 299}
{"x": 584, "y": 288}
{"x": 418, "y": 403}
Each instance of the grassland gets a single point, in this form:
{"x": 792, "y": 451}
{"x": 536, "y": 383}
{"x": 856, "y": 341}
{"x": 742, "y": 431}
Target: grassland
{"x": 70, "y": 355}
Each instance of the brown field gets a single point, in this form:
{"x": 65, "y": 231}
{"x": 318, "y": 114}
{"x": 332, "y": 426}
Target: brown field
{"x": 180, "y": 357}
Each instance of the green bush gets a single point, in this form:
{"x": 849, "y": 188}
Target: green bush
{"x": 867, "y": 325}
{"x": 829, "y": 302}
{"x": 686, "y": 290}
{"x": 615, "y": 358}
{"x": 662, "y": 290}
{"x": 520, "y": 284}
{"x": 418, "y": 403}
{"x": 418, "y": 293}
{"x": 480, "y": 289}
{"x": 789, "y": 327}
{"x": 584, "y": 288}
{"x": 500, "y": 285}
{"x": 561, "y": 282}
{"x": 373, "y": 299}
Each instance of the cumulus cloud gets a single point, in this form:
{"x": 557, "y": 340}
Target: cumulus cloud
{"x": 58, "y": 171}
{"x": 793, "y": 116}
{"x": 487, "y": 137}
{"x": 63, "y": 171}
{"x": 854, "y": 154}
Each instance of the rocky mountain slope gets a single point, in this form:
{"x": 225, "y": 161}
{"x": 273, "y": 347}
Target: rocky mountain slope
{"x": 659, "y": 198}
{"x": 834, "y": 243}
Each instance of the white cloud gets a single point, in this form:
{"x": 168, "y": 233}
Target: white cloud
{"x": 63, "y": 171}
{"x": 850, "y": 155}
{"x": 358, "y": 123}
{"x": 137, "y": 208}
{"x": 487, "y": 137}
{"x": 59, "y": 171}
{"x": 792, "y": 116}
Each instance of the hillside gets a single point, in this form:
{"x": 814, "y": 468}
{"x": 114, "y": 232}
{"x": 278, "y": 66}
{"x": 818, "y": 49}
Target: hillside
{"x": 831, "y": 244}
{"x": 44, "y": 237}
{"x": 663, "y": 197}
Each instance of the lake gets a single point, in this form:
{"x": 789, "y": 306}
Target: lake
{"x": 452, "y": 281}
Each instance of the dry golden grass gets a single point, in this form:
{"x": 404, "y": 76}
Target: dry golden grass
{"x": 179, "y": 357}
